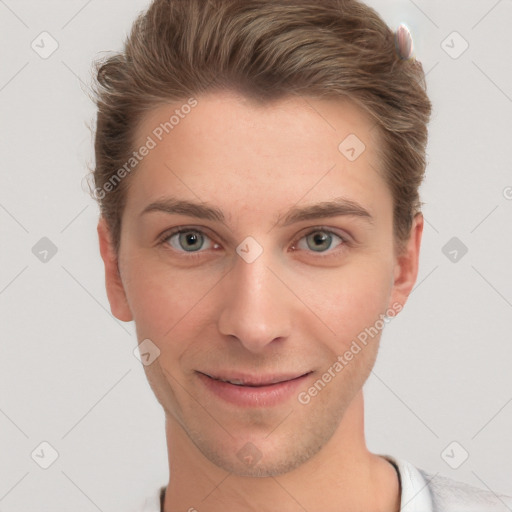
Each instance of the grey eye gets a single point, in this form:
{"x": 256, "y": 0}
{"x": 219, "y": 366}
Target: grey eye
{"x": 318, "y": 241}
{"x": 189, "y": 241}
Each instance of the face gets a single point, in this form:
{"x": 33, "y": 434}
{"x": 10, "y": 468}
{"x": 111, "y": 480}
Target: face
{"x": 254, "y": 251}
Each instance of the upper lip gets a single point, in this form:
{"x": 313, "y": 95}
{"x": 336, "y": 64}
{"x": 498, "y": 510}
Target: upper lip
{"x": 245, "y": 379}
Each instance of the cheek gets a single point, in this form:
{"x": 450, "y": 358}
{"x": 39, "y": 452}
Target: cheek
{"x": 350, "y": 299}
{"x": 164, "y": 300}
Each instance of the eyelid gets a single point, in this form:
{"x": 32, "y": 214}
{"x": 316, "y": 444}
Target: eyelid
{"x": 335, "y": 231}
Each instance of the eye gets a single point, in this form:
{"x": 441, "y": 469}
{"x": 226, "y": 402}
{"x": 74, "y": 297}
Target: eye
{"x": 320, "y": 241}
{"x": 188, "y": 240}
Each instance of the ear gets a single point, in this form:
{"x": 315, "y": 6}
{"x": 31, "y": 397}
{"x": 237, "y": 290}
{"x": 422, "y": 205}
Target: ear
{"x": 113, "y": 283}
{"x": 407, "y": 264}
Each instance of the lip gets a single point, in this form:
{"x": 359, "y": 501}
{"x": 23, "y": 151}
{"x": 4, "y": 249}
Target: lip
{"x": 256, "y": 391}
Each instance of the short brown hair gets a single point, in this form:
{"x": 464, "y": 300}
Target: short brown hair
{"x": 267, "y": 50}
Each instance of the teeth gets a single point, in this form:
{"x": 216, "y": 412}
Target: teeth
{"x": 236, "y": 382}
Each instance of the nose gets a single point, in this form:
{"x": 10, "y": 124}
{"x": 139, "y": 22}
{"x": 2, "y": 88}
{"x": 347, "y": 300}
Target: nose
{"x": 256, "y": 306}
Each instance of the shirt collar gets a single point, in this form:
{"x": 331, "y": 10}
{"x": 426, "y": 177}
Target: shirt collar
{"x": 415, "y": 493}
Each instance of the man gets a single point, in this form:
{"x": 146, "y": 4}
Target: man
{"x": 257, "y": 168}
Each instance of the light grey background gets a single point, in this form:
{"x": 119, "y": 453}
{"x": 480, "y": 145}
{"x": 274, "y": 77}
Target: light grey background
{"x": 68, "y": 375}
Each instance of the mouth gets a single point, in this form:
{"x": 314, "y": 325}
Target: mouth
{"x": 256, "y": 381}
{"x": 244, "y": 390}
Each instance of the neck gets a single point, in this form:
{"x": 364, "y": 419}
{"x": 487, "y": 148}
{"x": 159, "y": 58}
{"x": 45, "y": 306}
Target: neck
{"x": 342, "y": 477}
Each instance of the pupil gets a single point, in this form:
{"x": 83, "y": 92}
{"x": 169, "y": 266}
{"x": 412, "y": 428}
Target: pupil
{"x": 190, "y": 240}
{"x": 321, "y": 240}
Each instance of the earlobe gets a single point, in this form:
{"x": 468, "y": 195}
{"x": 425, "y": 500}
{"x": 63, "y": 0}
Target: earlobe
{"x": 113, "y": 283}
{"x": 407, "y": 264}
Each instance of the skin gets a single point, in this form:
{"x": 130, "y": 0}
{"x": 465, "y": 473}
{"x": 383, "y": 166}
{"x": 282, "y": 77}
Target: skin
{"x": 293, "y": 309}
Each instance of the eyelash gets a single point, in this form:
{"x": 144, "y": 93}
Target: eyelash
{"x": 162, "y": 241}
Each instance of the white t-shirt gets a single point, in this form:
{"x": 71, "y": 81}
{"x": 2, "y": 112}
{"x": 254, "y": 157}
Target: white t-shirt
{"x": 420, "y": 492}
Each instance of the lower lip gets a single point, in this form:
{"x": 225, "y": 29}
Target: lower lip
{"x": 251, "y": 396}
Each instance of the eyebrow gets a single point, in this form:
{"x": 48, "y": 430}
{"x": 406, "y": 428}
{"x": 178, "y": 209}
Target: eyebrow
{"x": 334, "y": 208}
{"x": 178, "y": 206}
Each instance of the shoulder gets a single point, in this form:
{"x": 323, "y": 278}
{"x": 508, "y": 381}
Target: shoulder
{"x": 451, "y": 495}
{"x": 422, "y": 491}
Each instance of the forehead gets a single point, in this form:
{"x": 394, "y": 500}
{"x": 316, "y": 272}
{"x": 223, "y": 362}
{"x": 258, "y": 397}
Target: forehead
{"x": 222, "y": 115}
{"x": 229, "y": 146}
